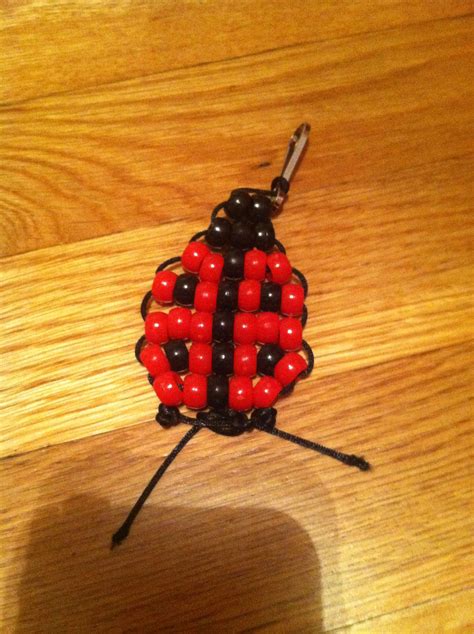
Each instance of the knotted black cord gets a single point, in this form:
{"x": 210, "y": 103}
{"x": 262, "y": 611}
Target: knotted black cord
{"x": 231, "y": 423}
{"x": 304, "y": 316}
{"x": 302, "y": 279}
{"x": 198, "y": 235}
{"x": 216, "y": 210}
{"x": 280, "y": 247}
{"x": 138, "y": 348}
{"x": 168, "y": 262}
{"x": 123, "y": 531}
{"x": 225, "y": 423}
{"x": 144, "y": 305}
{"x": 310, "y": 356}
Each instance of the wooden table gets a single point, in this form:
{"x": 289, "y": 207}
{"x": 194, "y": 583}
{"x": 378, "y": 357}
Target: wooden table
{"x": 123, "y": 124}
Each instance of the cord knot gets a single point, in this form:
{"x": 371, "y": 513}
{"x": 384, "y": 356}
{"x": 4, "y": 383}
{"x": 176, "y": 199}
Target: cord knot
{"x": 167, "y": 416}
{"x": 264, "y": 418}
{"x": 226, "y": 422}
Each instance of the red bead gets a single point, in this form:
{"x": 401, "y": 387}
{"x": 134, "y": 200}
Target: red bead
{"x": 249, "y": 295}
{"x": 245, "y": 360}
{"x": 154, "y": 359}
{"x": 240, "y": 393}
{"x": 289, "y": 367}
{"x": 268, "y": 327}
{"x": 201, "y": 327}
{"x": 163, "y": 286}
{"x": 195, "y": 391}
{"x": 280, "y": 268}
{"x": 168, "y": 388}
{"x": 211, "y": 268}
{"x": 179, "y": 323}
{"x": 245, "y": 328}
{"x": 205, "y": 299}
{"x": 291, "y": 334}
{"x": 200, "y": 358}
{"x": 266, "y": 392}
{"x": 193, "y": 255}
{"x": 292, "y": 299}
{"x": 156, "y": 327}
{"x": 255, "y": 265}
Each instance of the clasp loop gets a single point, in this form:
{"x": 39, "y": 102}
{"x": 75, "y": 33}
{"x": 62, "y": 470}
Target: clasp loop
{"x": 296, "y": 147}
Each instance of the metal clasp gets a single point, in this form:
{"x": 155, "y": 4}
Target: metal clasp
{"x": 296, "y": 147}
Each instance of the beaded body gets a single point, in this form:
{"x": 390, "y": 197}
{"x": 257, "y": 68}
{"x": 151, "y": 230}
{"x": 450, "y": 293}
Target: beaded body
{"x": 236, "y": 332}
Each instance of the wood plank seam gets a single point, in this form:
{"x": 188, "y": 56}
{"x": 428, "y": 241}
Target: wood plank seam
{"x": 6, "y": 105}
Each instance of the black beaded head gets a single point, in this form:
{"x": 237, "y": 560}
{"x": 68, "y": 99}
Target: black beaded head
{"x": 232, "y": 342}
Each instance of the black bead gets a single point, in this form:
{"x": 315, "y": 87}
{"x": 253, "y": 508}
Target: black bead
{"x": 223, "y": 358}
{"x": 267, "y": 358}
{"x": 223, "y": 326}
{"x": 218, "y": 233}
{"x": 227, "y": 295}
{"x": 270, "y": 297}
{"x": 234, "y": 264}
{"x": 261, "y": 209}
{"x": 264, "y": 236}
{"x": 185, "y": 288}
{"x": 243, "y": 236}
{"x": 217, "y": 391}
{"x": 238, "y": 205}
{"x": 177, "y": 354}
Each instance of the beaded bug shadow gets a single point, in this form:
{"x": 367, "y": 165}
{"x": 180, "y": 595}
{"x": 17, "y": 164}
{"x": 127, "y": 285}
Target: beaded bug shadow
{"x": 248, "y": 320}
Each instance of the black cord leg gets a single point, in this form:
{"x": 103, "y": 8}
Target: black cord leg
{"x": 351, "y": 460}
{"x": 123, "y": 531}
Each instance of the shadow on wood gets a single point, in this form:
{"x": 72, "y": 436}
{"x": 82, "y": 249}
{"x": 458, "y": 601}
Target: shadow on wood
{"x": 181, "y": 570}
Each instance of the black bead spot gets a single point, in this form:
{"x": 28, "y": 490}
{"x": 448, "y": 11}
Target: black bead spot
{"x": 227, "y": 295}
{"x": 270, "y": 297}
{"x": 261, "y": 208}
{"x": 234, "y": 264}
{"x": 217, "y": 391}
{"x": 223, "y": 358}
{"x": 267, "y": 358}
{"x": 238, "y": 205}
{"x": 243, "y": 236}
{"x": 223, "y": 326}
{"x": 264, "y": 236}
{"x": 219, "y": 232}
{"x": 185, "y": 288}
{"x": 177, "y": 354}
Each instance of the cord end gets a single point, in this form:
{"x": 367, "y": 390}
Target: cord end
{"x": 359, "y": 462}
{"x": 119, "y": 537}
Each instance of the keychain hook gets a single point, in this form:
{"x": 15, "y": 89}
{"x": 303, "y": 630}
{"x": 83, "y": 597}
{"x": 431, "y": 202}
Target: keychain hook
{"x": 296, "y": 146}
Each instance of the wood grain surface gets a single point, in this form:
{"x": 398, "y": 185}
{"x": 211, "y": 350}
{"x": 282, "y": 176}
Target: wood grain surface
{"x": 122, "y": 125}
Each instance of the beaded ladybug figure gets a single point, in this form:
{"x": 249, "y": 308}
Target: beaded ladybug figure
{"x": 230, "y": 343}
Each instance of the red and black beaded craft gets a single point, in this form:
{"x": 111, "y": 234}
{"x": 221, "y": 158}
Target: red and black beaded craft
{"x": 233, "y": 342}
